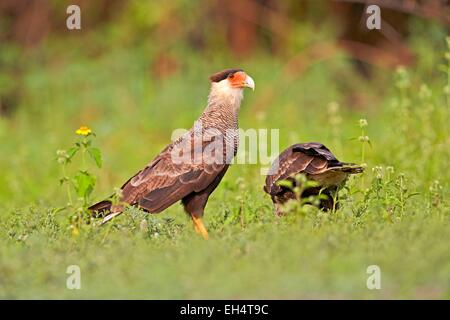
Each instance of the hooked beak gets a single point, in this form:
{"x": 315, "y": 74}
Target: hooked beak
{"x": 249, "y": 83}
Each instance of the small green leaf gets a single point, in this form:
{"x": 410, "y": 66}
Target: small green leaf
{"x": 96, "y": 155}
{"x": 311, "y": 184}
{"x": 412, "y": 195}
{"x": 84, "y": 183}
{"x": 322, "y": 196}
{"x": 285, "y": 183}
{"x": 72, "y": 151}
{"x": 300, "y": 178}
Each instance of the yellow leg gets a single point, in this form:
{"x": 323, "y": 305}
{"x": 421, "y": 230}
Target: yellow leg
{"x": 199, "y": 227}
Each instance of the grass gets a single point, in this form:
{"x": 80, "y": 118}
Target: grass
{"x": 396, "y": 216}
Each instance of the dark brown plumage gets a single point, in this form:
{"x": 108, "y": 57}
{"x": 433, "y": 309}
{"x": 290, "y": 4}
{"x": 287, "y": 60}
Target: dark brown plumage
{"x": 190, "y": 168}
{"x": 315, "y": 161}
{"x": 222, "y": 75}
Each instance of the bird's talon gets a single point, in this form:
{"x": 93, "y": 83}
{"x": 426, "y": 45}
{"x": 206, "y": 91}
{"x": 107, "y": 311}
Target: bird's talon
{"x": 199, "y": 227}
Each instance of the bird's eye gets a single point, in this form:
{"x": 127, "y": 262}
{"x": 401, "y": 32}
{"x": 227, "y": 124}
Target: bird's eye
{"x": 231, "y": 76}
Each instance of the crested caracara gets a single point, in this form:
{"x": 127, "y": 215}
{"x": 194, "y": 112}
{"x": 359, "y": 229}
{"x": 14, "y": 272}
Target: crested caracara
{"x": 318, "y": 164}
{"x": 190, "y": 168}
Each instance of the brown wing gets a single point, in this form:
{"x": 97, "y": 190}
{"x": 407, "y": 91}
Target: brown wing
{"x": 169, "y": 177}
{"x": 308, "y": 158}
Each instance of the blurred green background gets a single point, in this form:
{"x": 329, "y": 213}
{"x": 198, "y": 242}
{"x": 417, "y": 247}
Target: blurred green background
{"x": 137, "y": 70}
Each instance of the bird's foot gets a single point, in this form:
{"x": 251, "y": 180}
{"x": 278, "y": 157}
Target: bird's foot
{"x": 199, "y": 227}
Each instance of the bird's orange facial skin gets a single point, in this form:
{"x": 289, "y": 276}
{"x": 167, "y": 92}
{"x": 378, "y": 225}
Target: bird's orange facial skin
{"x": 237, "y": 79}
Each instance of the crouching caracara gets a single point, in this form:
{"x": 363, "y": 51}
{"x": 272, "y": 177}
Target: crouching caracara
{"x": 190, "y": 168}
{"x": 317, "y": 163}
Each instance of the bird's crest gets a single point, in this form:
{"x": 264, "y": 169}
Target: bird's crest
{"x": 219, "y": 76}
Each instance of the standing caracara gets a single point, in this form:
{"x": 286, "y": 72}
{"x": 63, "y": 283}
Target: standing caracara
{"x": 190, "y": 168}
{"x": 316, "y": 162}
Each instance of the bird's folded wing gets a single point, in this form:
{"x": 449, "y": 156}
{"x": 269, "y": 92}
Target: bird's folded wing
{"x": 293, "y": 161}
{"x": 168, "y": 179}
{"x": 314, "y": 148}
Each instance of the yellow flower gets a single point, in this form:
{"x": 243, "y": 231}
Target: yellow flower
{"x": 83, "y": 131}
{"x": 75, "y": 232}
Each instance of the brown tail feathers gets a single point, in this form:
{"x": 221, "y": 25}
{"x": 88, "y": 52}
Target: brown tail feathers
{"x": 106, "y": 206}
{"x": 351, "y": 168}
{"x": 101, "y": 206}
